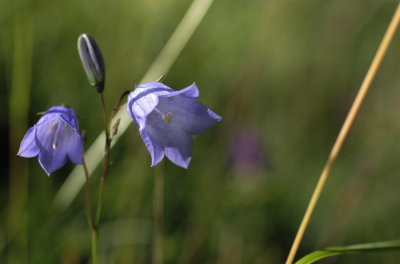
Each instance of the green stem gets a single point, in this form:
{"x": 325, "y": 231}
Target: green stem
{"x": 106, "y": 125}
{"x": 106, "y": 161}
{"x": 21, "y": 36}
{"x": 88, "y": 206}
{"x": 95, "y": 224}
{"x": 102, "y": 179}
{"x": 118, "y": 106}
{"x": 158, "y": 214}
{"x": 101, "y": 187}
{"x": 90, "y": 215}
{"x": 94, "y": 246}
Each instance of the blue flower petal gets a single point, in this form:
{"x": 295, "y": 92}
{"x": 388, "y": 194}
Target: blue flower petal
{"x": 141, "y": 105}
{"x": 177, "y": 143}
{"x": 75, "y": 151}
{"x": 162, "y": 90}
{"x": 154, "y": 86}
{"x": 50, "y": 159}
{"x": 153, "y": 146}
{"x": 189, "y": 114}
{"x": 178, "y": 157}
{"x": 191, "y": 91}
{"x": 58, "y": 141}
{"x": 73, "y": 142}
{"x": 28, "y": 148}
{"x": 66, "y": 113}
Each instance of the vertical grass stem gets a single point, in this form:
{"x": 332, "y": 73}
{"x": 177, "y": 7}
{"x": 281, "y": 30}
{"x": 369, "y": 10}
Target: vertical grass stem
{"x": 22, "y": 38}
{"x": 345, "y": 129}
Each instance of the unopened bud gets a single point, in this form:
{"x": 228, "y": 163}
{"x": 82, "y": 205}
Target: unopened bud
{"x": 92, "y": 61}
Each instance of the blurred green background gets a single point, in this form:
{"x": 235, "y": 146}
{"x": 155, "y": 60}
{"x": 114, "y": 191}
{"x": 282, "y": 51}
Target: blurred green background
{"x": 282, "y": 73}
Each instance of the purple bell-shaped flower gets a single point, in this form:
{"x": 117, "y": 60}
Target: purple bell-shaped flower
{"x": 55, "y": 138}
{"x": 167, "y": 119}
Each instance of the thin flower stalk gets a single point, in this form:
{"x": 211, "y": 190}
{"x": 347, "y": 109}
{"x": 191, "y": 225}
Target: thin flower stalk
{"x": 105, "y": 162}
{"x": 90, "y": 215}
{"x": 384, "y": 45}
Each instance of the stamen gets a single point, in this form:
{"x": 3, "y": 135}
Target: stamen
{"x": 158, "y": 111}
{"x": 57, "y": 132}
{"x": 166, "y": 117}
{"x": 52, "y": 127}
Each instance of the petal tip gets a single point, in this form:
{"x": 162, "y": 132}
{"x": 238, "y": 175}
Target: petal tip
{"x": 154, "y": 163}
{"x": 213, "y": 115}
{"x": 183, "y": 163}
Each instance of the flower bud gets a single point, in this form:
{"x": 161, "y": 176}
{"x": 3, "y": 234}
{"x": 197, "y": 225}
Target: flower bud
{"x": 92, "y": 61}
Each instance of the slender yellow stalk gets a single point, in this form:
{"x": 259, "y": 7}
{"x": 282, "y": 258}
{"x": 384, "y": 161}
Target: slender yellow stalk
{"x": 345, "y": 129}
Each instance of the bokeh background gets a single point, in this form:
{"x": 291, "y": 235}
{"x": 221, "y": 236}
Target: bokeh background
{"x": 282, "y": 73}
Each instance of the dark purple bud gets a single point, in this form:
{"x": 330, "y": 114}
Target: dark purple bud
{"x": 92, "y": 61}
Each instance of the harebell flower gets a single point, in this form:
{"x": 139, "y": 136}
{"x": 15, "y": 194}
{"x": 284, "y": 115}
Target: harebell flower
{"x": 55, "y": 138}
{"x": 167, "y": 119}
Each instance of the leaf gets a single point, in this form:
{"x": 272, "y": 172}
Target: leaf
{"x": 352, "y": 249}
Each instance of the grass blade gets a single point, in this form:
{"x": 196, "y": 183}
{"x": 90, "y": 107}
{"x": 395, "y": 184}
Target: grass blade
{"x": 352, "y": 249}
